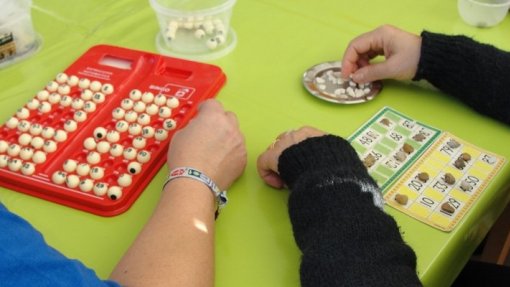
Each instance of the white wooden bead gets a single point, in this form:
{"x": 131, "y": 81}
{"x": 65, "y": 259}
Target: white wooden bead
{"x": 112, "y": 136}
{"x": 107, "y": 89}
{"x": 28, "y": 168}
{"x": 24, "y": 139}
{"x": 144, "y": 119}
{"x": 84, "y": 83}
{"x": 164, "y": 112}
{"x": 139, "y": 142}
{"x": 147, "y": 97}
{"x": 12, "y": 123}
{"x": 124, "y": 180}
{"x": 114, "y": 192}
{"x": 64, "y": 89}
{"x": 61, "y": 78}
{"x": 73, "y": 81}
{"x": 93, "y": 158}
{"x": 48, "y": 132}
{"x": 72, "y": 181}
{"x": 23, "y": 113}
{"x": 70, "y": 165}
{"x": 95, "y": 86}
{"x": 135, "y": 95}
{"x": 86, "y": 185}
{"x": 35, "y": 129}
{"x": 160, "y": 100}
{"x": 131, "y": 116}
{"x": 13, "y": 150}
{"x": 33, "y": 104}
{"x": 89, "y": 107}
{"x": 129, "y": 153}
{"x": 37, "y": 142}
{"x": 14, "y": 164}
{"x": 161, "y": 134}
{"x": 116, "y": 150}
{"x": 86, "y": 95}
{"x": 4, "y": 160}
{"x": 59, "y": 177}
{"x": 80, "y": 116}
{"x": 169, "y": 124}
{"x": 43, "y": 95}
{"x": 103, "y": 147}
{"x": 83, "y": 169}
{"x": 54, "y": 98}
{"x": 26, "y": 153}
{"x": 39, "y": 157}
{"x": 97, "y": 173}
{"x": 3, "y": 146}
{"x": 24, "y": 125}
{"x": 99, "y": 133}
{"x": 98, "y": 98}
{"x": 90, "y": 143}
{"x": 118, "y": 113}
{"x": 100, "y": 188}
{"x": 127, "y": 104}
{"x": 77, "y": 104}
{"x": 199, "y": 33}
{"x": 148, "y": 132}
{"x": 66, "y": 101}
{"x": 50, "y": 146}
{"x": 143, "y": 156}
{"x": 44, "y": 107}
{"x": 220, "y": 39}
{"x": 211, "y": 44}
{"x": 121, "y": 126}
{"x": 70, "y": 126}
{"x": 134, "y": 167}
{"x": 152, "y": 109}
{"x": 172, "y": 102}
{"x": 52, "y": 86}
{"x": 139, "y": 107}
{"x": 135, "y": 129}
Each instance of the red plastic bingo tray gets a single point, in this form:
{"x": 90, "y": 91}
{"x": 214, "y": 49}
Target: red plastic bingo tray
{"x": 94, "y": 137}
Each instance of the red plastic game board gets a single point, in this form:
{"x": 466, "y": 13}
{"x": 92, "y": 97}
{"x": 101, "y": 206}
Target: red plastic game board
{"x": 95, "y": 136}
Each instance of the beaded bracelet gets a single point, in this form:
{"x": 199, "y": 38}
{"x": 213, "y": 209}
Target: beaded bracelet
{"x": 221, "y": 196}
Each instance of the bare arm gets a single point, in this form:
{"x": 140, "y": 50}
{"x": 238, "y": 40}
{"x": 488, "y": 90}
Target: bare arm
{"x": 176, "y": 247}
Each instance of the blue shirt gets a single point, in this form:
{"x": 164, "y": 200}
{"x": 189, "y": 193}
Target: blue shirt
{"x": 27, "y": 260}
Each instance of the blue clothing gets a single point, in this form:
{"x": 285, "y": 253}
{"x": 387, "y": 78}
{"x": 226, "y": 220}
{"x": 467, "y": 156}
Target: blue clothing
{"x": 27, "y": 260}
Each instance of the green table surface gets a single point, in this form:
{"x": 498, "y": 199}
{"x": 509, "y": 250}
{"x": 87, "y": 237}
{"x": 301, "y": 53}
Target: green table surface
{"x": 277, "y": 42}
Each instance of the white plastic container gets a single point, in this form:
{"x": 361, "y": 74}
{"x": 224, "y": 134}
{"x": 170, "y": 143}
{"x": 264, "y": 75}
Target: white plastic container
{"x": 483, "y": 13}
{"x": 18, "y": 38}
{"x": 194, "y": 29}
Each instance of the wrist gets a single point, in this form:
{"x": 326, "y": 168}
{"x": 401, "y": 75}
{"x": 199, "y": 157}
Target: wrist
{"x": 196, "y": 176}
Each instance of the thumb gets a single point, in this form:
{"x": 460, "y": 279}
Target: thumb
{"x": 372, "y": 72}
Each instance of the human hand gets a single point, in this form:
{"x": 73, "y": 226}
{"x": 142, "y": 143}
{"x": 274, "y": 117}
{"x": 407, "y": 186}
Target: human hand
{"x": 211, "y": 143}
{"x": 400, "y": 48}
{"x": 267, "y": 163}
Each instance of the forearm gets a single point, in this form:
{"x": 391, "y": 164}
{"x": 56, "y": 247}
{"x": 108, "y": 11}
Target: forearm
{"x": 476, "y": 73}
{"x": 338, "y": 223}
{"x": 176, "y": 247}
{"x": 345, "y": 239}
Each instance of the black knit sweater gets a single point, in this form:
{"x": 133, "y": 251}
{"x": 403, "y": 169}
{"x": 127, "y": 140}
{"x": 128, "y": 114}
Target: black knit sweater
{"x": 478, "y": 74}
{"x": 345, "y": 237}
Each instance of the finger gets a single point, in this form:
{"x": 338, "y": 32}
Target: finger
{"x": 232, "y": 117}
{"x": 210, "y": 105}
{"x": 372, "y": 73}
{"x": 365, "y": 43}
{"x": 273, "y": 179}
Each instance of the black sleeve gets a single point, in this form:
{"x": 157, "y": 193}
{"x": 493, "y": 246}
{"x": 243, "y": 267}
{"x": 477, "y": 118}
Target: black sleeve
{"x": 336, "y": 212}
{"x": 478, "y": 74}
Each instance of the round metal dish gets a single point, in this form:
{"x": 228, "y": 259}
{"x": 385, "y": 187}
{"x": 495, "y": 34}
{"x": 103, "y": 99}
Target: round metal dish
{"x": 329, "y": 87}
